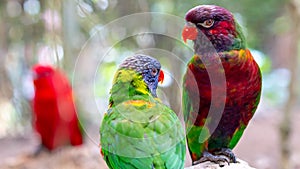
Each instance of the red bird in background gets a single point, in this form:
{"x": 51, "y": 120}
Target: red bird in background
{"x": 54, "y": 116}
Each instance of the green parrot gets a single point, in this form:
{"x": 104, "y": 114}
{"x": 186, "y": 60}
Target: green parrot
{"x": 138, "y": 131}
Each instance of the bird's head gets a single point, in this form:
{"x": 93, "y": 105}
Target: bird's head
{"x": 148, "y": 67}
{"x": 42, "y": 76}
{"x": 214, "y": 25}
{"x": 41, "y": 72}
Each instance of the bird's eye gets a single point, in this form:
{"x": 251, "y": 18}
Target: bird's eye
{"x": 207, "y": 23}
{"x": 154, "y": 72}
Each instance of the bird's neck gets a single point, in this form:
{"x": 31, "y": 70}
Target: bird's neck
{"x": 239, "y": 39}
{"x": 229, "y": 60}
{"x": 128, "y": 85}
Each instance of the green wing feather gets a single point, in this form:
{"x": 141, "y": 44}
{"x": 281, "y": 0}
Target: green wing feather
{"x": 196, "y": 135}
{"x": 141, "y": 134}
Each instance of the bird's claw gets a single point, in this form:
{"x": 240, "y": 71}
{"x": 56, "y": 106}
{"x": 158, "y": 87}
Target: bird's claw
{"x": 228, "y": 153}
{"x": 218, "y": 159}
{"x": 38, "y": 150}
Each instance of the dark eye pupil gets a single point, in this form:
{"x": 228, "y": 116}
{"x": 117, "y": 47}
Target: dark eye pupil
{"x": 154, "y": 71}
{"x": 208, "y": 22}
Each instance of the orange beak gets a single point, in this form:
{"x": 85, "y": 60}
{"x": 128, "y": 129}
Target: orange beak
{"x": 161, "y": 77}
{"x": 189, "y": 32}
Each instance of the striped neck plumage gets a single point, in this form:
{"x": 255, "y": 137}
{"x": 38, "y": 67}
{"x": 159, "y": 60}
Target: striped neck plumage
{"x": 128, "y": 85}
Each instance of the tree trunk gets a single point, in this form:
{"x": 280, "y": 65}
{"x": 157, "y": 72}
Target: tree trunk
{"x": 285, "y": 126}
{"x": 70, "y": 31}
{"x": 5, "y": 89}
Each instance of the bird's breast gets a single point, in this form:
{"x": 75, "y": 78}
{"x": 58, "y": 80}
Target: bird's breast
{"x": 242, "y": 82}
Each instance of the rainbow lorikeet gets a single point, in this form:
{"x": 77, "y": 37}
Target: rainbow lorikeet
{"x": 138, "y": 131}
{"x": 221, "y": 87}
{"x": 54, "y": 113}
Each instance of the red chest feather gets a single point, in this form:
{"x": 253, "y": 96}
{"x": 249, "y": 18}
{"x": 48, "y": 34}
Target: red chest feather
{"x": 242, "y": 82}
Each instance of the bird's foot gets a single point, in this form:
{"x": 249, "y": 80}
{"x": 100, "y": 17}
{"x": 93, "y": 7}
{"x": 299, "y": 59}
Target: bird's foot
{"x": 40, "y": 150}
{"x": 218, "y": 159}
{"x": 228, "y": 153}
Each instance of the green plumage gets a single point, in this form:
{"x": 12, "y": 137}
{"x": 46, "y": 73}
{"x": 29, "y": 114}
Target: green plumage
{"x": 138, "y": 131}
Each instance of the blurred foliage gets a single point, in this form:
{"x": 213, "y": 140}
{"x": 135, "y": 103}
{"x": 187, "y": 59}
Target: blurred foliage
{"x": 57, "y": 31}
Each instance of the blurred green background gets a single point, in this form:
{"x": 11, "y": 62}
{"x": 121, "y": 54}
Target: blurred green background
{"x": 60, "y": 32}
